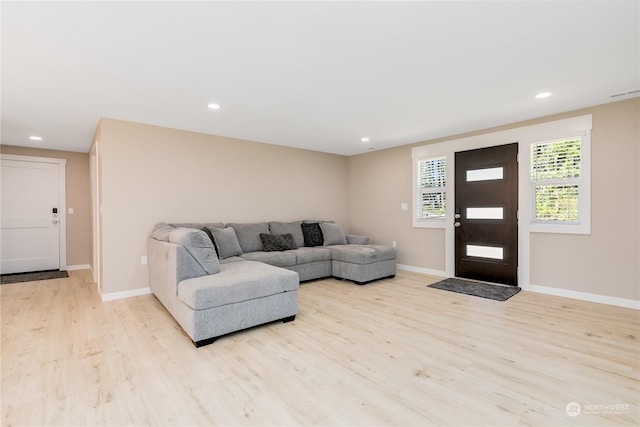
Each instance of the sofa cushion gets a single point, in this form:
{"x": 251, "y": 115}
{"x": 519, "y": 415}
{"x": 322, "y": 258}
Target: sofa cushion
{"x": 307, "y": 255}
{"x": 226, "y": 242}
{"x": 161, "y": 231}
{"x": 238, "y": 281}
{"x": 208, "y": 233}
{"x": 198, "y": 244}
{"x": 279, "y": 259}
{"x": 292, "y": 228}
{"x": 362, "y": 254}
{"x": 277, "y": 242}
{"x": 312, "y": 234}
{"x": 355, "y": 239}
{"x": 332, "y": 234}
{"x": 249, "y": 235}
{"x": 232, "y": 259}
{"x": 198, "y": 225}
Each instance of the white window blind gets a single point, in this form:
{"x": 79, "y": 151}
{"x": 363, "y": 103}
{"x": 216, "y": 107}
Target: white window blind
{"x": 431, "y": 187}
{"x": 556, "y": 180}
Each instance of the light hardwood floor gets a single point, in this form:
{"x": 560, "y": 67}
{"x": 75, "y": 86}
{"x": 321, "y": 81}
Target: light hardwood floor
{"x": 393, "y": 352}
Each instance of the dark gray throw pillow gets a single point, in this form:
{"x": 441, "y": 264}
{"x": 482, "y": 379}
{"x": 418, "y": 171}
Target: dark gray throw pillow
{"x": 277, "y": 242}
{"x": 312, "y": 234}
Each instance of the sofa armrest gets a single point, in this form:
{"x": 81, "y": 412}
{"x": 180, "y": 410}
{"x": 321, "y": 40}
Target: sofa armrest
{"x": 354, "y": 239}
{"x": 169, "y": 264}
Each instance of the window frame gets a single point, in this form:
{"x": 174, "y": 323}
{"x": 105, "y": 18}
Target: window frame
{"x": 583, "y": 224}
{"x": 430, "y": 190}
{"x": 436, "y": 222}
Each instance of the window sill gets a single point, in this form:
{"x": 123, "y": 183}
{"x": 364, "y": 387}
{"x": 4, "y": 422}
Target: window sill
{"x": 429, "y": 223}
{"x": 559, "y": 228}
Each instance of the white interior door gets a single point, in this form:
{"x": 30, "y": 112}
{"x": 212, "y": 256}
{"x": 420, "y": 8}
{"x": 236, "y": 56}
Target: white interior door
{"x": 32, "y": 215}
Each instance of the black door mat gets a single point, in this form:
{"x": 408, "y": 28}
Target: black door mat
{"x": 32, "y": 276}
{"x": 477, "y": 289}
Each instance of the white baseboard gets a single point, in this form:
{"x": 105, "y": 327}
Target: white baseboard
{"x": 112, "y": 295}
{"x": 584, "y": 296}
{"x": 78, "y": 267}
{"x": 125, "y": 294}
{"x": 602, "y": 299}
{"x": 427, "y": 271}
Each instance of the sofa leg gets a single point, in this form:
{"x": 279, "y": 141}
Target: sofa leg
{"x": 208, "y": 341}
{"x": 381, "y": 278}
{"x": 202, "y": 343}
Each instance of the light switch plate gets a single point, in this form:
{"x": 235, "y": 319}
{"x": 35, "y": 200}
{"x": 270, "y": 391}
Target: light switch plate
{"x": 404, "y": 206}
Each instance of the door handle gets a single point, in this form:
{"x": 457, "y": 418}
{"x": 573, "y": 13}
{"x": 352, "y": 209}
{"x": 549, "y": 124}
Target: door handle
{"x": 456, "y": 224}
{"x": 55, "y": 221}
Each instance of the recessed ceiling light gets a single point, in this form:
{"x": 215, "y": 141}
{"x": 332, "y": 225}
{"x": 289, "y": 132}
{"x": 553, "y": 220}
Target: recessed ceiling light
{"x": 365, "y": 139}
{"x": 35, "y": 138}
{"x": 214, "y": 106}
{"x": 543, "y": 95}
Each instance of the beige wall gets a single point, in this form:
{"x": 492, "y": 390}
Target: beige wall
{"x": 78, "y": 198}
{"x": 151, "y": 174}
{"x": 379, "y": 182}
{"x": 603, "y": 263}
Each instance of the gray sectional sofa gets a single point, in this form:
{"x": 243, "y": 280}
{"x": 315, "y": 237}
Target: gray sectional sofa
{"x": 217, "y": 278}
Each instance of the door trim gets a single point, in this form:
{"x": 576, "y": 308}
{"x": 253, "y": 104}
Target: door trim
{"x": 96, "y": 223}
{"x": 62, "y": 197}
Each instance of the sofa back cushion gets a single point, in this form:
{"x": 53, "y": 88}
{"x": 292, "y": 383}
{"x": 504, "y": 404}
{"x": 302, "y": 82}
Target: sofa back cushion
{"x": 226, "y": 242}
{"x": 198, "y": 244}
{"x": 292, "y": 228}
{"x": 161, "y": 231}
{"x": 198, "y": 225}
{"x": 249, "y": 235}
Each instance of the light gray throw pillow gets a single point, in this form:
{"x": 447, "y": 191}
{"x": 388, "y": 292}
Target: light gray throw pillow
{"x": 226, "y": 242}
{"x": 333, "y": 234}
{"x": 198, "y": 244}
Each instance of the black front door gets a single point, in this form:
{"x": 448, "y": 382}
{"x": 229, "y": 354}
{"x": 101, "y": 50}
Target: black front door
{"x": 486, "y": 208}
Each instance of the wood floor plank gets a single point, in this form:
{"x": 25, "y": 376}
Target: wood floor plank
{"x": 392, "y": 352}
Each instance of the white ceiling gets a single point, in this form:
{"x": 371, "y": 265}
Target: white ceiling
{"x": 314, "y": 75}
